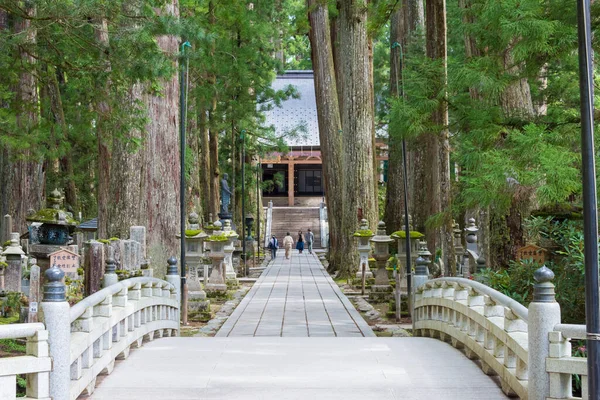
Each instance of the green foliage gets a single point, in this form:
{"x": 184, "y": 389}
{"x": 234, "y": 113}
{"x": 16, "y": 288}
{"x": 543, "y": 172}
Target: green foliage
{"x": 192, "y": 232}
{"x": 402, "y": 235}
{"x": 363, "y": 233}
{"x": 516, "y": 281}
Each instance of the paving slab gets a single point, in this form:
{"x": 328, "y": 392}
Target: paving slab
{"x": 295, "y": 297}
{"x": 275, "y": 368}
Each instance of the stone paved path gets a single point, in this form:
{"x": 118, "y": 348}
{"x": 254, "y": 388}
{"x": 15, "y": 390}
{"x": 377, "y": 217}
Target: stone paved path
{"x": 295, "y": 297}
{"x": 282, "y": 368}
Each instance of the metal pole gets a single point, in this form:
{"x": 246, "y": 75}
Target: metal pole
{"x": 257, "y": 213}
{"x": 243, "y": 198}
{"x": 590, "y": 220}
{"x": 182, "y": 117}
{"x": 406, "y": 230}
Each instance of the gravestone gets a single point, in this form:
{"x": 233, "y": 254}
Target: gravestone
{"x": 14, "y": 270}
{"x": 6, "y": 229}
{"x": 138, "y": 233}
{"x": 93, "y": 267}
{"x": 34, "y": 291}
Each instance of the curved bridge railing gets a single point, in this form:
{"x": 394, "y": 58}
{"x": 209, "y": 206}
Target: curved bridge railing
{"x": 106, "y": 324}
{"x": 488, "y": 325}
{"x": 528, "y": 348}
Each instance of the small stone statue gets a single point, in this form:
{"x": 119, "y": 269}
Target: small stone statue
{"x": 225, "y": 194}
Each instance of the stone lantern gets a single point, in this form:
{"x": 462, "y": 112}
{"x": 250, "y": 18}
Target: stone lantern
{"x": 13, "y": 270}
{"x": 50, "y": 229}
{"x": 382, "y": 289}
{"x": 216, "y": 283}
{"x": 229, "y": 248}
{"x": 422, "y": 266}
{"x": 363, "y": 236}
{"x": 194, "y": 251}
{"x": 56, "y": 223}
{"x": 400, "y": 236}
{"x": 471, "y": 231}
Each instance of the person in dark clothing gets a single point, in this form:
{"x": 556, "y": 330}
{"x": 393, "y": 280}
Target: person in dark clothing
{"x": 300, "y": 243}
{"x": 273, "y": 246}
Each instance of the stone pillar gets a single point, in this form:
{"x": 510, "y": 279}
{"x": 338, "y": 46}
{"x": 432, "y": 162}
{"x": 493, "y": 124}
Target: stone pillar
{"x": 34, "y": 291}
{"x": 110, "y": 276}
{"x": 291, "y": 184}
{"x": 6, "y": 229}
{"x": 466, "y": 268}
{"x": 138, "y": 233}
{"x": 14, "y": 270}
{"x": 173, "y": 276}
{"x": 480, "y": 265}
{"x": 58, "y": 323}
{"x": 544, "y": 315}
{"x": 93, "y": 267}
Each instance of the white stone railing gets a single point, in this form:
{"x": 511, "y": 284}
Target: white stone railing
{"x": 560, "y": 364}
{"x": 36, "y": 363}
{"x": 488, "y": 325}
{"x": 106, "y": 324}
{"x": 528, "y": 348}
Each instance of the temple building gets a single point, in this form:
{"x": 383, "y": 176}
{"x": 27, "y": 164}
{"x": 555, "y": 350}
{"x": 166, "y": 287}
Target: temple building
{"x": 301, "y": 167}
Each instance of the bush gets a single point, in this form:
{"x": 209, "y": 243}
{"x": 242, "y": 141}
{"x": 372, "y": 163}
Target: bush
{"x": 516, "y": 281}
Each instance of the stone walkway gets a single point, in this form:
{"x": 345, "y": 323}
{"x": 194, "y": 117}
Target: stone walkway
{"x": 295, "y": 297}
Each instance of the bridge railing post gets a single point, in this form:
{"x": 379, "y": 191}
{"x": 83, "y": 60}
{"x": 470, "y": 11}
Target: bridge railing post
{"x": 174, "y": 279}
{"x": 544, "y": 315}
{"x": 58, "y": 324}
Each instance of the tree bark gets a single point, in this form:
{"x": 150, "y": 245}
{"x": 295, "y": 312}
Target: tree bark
{"x": 437, "y": 144}
{"x": 23, "y": 185}
{"x": 205, "y": 175}
{"x": 357, "y": 125}
{"x": 102, "y": 134}
{"x": 330, "y": 125}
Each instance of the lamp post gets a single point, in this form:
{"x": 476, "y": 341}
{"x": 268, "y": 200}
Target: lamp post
{"x": 243, "y": 139}
{"x": 182, "y": 117}
{"x": 590, "y": 220}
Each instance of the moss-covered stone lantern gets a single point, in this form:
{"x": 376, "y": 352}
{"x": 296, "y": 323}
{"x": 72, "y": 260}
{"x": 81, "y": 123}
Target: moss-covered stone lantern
{"x": 56, "y": 223}
{"x": 382, "y": 289}
{"x": 363, "y": 237}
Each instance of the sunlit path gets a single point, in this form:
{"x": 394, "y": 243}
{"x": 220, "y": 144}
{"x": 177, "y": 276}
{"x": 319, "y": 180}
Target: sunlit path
{"x": 295, "y": 297}
{"x": 298, "y": 368}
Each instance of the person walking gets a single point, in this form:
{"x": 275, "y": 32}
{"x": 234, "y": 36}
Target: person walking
{"x": 288, "y": 242}
{"x": 273, "y": 245}
{"x": 300, "y": 243}
{"x": 310, "y": 238}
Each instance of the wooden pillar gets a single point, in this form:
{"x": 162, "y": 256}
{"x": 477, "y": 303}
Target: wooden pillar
{"x": 291, "y": 184}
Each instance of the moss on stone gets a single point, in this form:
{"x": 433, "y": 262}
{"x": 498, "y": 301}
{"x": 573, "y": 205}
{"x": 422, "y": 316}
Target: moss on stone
{"x": 402, "y": 235}
{"x": 49, "y": 216}
{"x": 363, "y": 233}
{"x": 105, "y": 241}
{"x": 212, "y": 228}
{"x": 114, "y": 239}
{"x": 192, "y": 232}
{"x": 221, "y": 237}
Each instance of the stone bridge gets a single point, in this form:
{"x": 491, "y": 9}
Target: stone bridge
{"x": 519, "y": 352}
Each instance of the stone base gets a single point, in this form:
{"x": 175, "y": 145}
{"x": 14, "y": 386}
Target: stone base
{"x": 232, "y": 283}
{"x": 199, "y": 310}
{"x": 380, "y": 293}
{"x": 369, "y": 274}
{"x": 216, "y": 290}
{"x": 148, "y": 272}
{"x": 196, "y": 295}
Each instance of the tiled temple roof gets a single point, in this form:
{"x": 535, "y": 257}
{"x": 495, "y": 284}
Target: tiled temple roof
{"x": 295, "y": 112}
